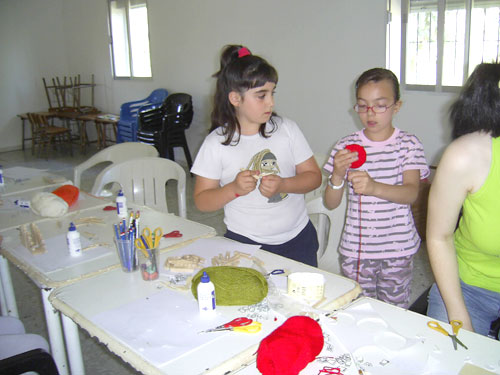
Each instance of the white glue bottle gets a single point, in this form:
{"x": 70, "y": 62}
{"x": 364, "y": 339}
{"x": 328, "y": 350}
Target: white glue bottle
{"x": 206, "y": 296}
{"x": 121, "y": 205}
{"x": 74, "y": 242}
{"x": 2, "y": 182}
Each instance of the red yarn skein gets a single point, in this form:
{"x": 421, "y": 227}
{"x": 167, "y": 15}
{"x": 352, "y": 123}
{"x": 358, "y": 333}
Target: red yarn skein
{"x": 361, "y": 155}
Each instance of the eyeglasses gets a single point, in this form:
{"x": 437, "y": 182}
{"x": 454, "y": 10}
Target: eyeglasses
{"x": 361, "y": 108}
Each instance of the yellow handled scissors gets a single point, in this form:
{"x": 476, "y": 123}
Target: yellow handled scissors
{"x": 455, "y": 325}
{"x": 152, "y": 238}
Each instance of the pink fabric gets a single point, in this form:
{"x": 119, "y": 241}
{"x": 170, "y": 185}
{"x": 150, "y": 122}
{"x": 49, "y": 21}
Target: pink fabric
{"x": 243, "y": 51}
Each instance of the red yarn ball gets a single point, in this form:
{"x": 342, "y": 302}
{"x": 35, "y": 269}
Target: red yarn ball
{"x": 361, "y": 155}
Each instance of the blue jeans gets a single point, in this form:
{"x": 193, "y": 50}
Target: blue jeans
{"x": 302, "y": 248}
{"x": 483, "y": 306}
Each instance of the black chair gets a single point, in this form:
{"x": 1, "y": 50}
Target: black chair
{"x": 177, "y": 118}
{"x": 150, "y": 126}
{"x": 37, "y": 360}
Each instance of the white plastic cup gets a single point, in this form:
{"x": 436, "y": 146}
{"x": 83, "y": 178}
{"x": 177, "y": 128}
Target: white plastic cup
{"x": 307, "y": 285}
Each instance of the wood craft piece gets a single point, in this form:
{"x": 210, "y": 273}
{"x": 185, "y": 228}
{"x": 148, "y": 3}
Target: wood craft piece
{"x": 186, "y": 263}
{"x": 228, "y": 260}
{"x": 88, "y": 221}
{"x": 32, "y": 239}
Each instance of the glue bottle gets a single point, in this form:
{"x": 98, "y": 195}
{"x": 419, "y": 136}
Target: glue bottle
{"x": 74, "y": 242}
{"x": 121, "y": 205}
{"x": 206, "y": 296}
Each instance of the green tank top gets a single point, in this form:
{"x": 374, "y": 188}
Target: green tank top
{"x": 477, "y": 239}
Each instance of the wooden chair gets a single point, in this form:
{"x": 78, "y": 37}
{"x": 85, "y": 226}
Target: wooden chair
{"x": 44, "y": 134}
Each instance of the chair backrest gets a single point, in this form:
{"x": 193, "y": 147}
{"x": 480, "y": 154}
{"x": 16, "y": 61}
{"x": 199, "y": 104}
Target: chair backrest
{"x": 114, "y": 154}
{"x": 21, "y": 352}
{"x": 150, "y": 117}
{"x": 143, "y": 181}
{"x": 329, "y": 225}
{"x": 178, "y": 110}
{"x": 129, "y": 110}
{"x": 38, "y": 123}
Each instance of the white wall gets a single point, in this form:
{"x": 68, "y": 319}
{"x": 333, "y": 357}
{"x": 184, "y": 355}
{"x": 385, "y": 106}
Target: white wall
{"x": 318, "y": 47}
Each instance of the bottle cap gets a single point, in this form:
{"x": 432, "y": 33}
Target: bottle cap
{"x": 72, "y": 226}
{"x": 205, "y": 278}
{"x": 120, "y": 193}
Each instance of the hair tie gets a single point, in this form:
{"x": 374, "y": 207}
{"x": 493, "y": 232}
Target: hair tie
{"x": 243, "y": 51}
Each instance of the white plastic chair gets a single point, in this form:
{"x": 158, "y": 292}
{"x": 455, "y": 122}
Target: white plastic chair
{"x": 329, "y": 225}
{"x": 21, "y": 352}
{"x": 114, "y": 154}
{"x": 143, "y": 181}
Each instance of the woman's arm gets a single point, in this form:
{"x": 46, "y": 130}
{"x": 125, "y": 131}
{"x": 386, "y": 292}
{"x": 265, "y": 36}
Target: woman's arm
{"x": 461, "y": 171}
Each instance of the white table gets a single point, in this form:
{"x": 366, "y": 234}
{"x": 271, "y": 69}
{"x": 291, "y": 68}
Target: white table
{"x": 57, "y": 268}
{"x": 21, "y": 179}
{"x": 100, "y": 305}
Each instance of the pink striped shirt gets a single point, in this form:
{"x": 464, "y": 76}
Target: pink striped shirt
{"x": 387, "y": 228}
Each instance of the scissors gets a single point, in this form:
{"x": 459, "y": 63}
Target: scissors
{"x": 330, "y": 370}
{"x": 455, "y": 325}
{"x": 245, "y": 325}
{"x": 174, "y": 233}
{"x": 152, "y": 238}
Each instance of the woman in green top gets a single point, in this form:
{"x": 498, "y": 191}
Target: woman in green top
{"x": 466, "y": 262}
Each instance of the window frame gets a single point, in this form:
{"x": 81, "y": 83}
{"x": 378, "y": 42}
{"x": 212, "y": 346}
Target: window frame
{"x": 398, "y": 37}
{"x": 129, "y": 47}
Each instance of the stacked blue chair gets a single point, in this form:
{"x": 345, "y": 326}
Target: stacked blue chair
{"x": 127, "y": 125}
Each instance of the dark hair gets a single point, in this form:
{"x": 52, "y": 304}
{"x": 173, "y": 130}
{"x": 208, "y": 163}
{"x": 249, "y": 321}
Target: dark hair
{"x": 237, "y": 74}
{"x": 376, "y": 75}
{"x": 478, "y": 106}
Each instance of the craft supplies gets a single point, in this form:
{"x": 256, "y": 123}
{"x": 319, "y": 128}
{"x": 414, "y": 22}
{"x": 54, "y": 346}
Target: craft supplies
{"x": 173, "y": 234}
{"x": 22, "y": 203}
{"x": 32, "y": 239}
{"x": 2, "y": 182}
{"x": 290, "y": 347}
{"x": 455, "y": 325}
{"x": 121, "y": 205}
{"x": 234, "y": 285}
{"x": 307, "y": 285}
{"x": 228, "y": 260}
{"x": 69, "y": 193}
{"x": 243, "y": 325}
{"x": 74, "y": 241}
{"x": 148, "y": 263}
{"x": 187, "y": 263}
{"x": 48, "y": 205}
{"x": 125, "y": 237}
{"x": 206, "y": 296}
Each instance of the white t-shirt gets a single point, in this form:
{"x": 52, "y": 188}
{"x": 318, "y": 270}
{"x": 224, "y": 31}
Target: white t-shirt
{"x": 269, "y": 221}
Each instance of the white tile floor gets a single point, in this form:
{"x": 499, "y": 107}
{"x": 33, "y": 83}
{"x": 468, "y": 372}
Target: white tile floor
{"x": 98, "y": 360}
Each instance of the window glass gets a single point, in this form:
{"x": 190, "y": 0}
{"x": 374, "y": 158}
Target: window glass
{"x": 130, "y": 38}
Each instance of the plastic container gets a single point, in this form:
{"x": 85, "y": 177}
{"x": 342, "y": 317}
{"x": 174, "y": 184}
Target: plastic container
{"x": 121, "y": 205}
{"x": 206, "y": 296}
{"x": 22, "y": 203}
{"x": 2, "y": 182}
{"x": 307, "y": 285}
{"x": 74, "y": 241}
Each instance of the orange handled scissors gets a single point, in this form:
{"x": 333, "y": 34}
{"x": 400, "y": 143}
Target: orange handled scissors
{"x": 455, "y": 326}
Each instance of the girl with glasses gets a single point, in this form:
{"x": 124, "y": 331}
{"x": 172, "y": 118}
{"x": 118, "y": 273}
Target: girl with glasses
{"x": 255, "y": 164}
{"x": 379, "y": 238}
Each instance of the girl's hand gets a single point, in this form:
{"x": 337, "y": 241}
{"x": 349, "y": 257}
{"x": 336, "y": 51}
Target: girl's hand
{"x": 270, "y": 185}
{"x": 342, "y": 161}
{"x": 245, "y": 182}
{"x": 361, "y": 182}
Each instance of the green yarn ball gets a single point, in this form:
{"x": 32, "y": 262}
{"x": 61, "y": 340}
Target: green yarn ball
{"x": 234, "y": 285}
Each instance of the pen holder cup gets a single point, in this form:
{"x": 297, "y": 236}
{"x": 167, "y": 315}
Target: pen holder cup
{"x": 149, "y": 264}
{"x": 127, "y": 255}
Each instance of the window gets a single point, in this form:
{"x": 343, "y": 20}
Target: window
{"x": 444, "y": 40}
{"x": 128, "y": 20}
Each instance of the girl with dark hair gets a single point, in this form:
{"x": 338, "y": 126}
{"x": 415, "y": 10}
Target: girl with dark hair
{"x": 466, "y": 262}
{"x": 254, "y": 164}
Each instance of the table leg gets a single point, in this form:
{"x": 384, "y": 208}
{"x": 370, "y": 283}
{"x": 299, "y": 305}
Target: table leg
{"x": 73, "y": 346}
{"x": 99, "y": 131}
{"x": 55, "y": 333}
{"x": 9, "y": 306}
{"x": 23, "y": 120}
